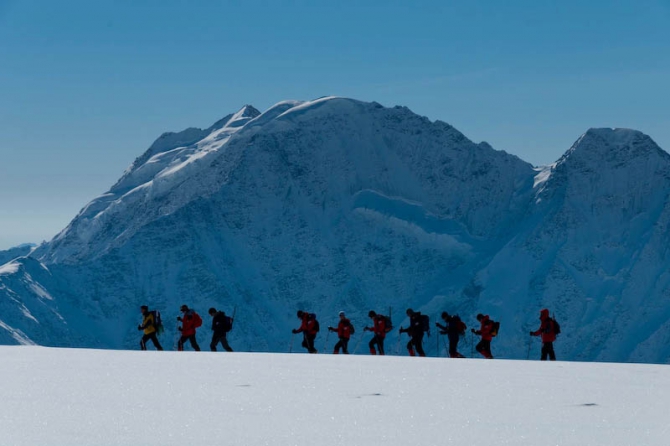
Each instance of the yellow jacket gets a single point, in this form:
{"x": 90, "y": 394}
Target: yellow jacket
{"x": 148, "y": 324}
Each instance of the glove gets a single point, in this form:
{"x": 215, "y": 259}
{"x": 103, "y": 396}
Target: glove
{"x": 531, "y": 333}
{"x": 331, "y": 329}
{"x": 473, "y": 330}
{"x": 139, "y": 327}
{"x": 179, "y": 318}
{"x": 295, "y": 330}
{"x": 366, "y": 329}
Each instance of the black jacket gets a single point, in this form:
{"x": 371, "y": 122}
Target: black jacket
{"x": 415, "y": 325}
{"x": 452, "y": 328}
{"x": 220, "y": 325}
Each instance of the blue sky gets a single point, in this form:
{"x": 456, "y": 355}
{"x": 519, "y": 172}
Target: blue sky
{"x": 85, "y": 87}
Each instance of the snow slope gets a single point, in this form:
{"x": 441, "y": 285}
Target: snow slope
{"x": 75, "y": 397}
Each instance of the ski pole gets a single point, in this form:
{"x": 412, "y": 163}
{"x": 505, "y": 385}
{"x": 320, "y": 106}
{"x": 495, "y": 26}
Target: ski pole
{"x": 437, "y": 341}
{"x": 290, "y": 345}
{"x": 437, "y": 344}
{"x": 472, "y": 345}
{"x": 177, "y": 337}
{"x": 360, "y": 338}
{"x": 325, "y": 344}
{"x": 232, "y": 319}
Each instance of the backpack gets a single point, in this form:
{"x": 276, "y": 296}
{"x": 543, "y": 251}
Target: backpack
{"x": 556, "y": 326}
{"x": 352, "y": 330}
{"x": 227, "y": 324}
{"x": 312, "y": 316}
{"x": 197, "y": 320}
{"x": 459, "y": 324}
{"x": 425, "y": 323}
{"x": 495, "y": 327}
{"x": 388, "y": 324}
{"x": 158, "y": 323}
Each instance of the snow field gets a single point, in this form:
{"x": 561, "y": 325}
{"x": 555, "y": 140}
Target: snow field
{"x": 102, "y": 397}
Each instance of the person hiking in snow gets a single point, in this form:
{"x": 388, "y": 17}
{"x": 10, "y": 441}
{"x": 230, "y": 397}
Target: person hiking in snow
{"x": 454, "y": 328}
{"x": 484, "y": 346}
{"x": 344, "y": 331}
{"x": 379, "y": 328}
{"x": 309, "y": 327}
{"x": 415, "y": 331}
{"x": 221, "y": 325}
{"x": 149, "y": 327}
{"x": 548, "y": 332}
{"x": 190, "y": 322}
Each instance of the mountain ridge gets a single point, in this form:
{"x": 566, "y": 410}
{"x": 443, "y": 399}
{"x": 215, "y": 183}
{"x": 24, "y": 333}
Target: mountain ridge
{"x": 351, "y": 205}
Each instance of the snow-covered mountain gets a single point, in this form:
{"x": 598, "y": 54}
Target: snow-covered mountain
{"x": 337, "y": 204}
{"x": 595, "y": 249}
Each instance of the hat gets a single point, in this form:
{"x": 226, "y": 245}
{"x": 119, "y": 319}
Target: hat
{"x": 372, "y": 314}
{"x": 212, "y": 310}
{"x": 300, "y": 313}
{"x": 183, "y": 308}
{"x": 144, "y": 307}
{"x": 341, "y": 313}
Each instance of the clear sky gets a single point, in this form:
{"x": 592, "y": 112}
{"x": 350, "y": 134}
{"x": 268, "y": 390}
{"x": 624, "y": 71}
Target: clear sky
{"x": 86, "y": 86}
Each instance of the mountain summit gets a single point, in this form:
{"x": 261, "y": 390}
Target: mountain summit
{"x": 337, "y": 204}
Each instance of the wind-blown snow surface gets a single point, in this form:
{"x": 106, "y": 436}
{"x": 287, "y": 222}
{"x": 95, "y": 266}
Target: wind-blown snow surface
{"x": 337, "y": 204}
{"x": 75, "y": 397}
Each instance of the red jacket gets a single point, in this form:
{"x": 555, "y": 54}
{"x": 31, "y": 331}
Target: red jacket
{"x": 546, "y": 328}
{"x": 308, "y": 325}
{"x": 485, "y": 328}
{"x": 379, "y": 327}
{"x": 188, "y": 324}
{"x": 344, "y": 329}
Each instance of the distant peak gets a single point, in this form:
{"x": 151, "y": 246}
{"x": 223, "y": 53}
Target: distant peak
{"x": 248, "y": 111}
{"x": 243, "y": 115}
{"x": 24, "y": 245}
{"x": 617, "y": 137}
{"x": 603, "y": 145}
